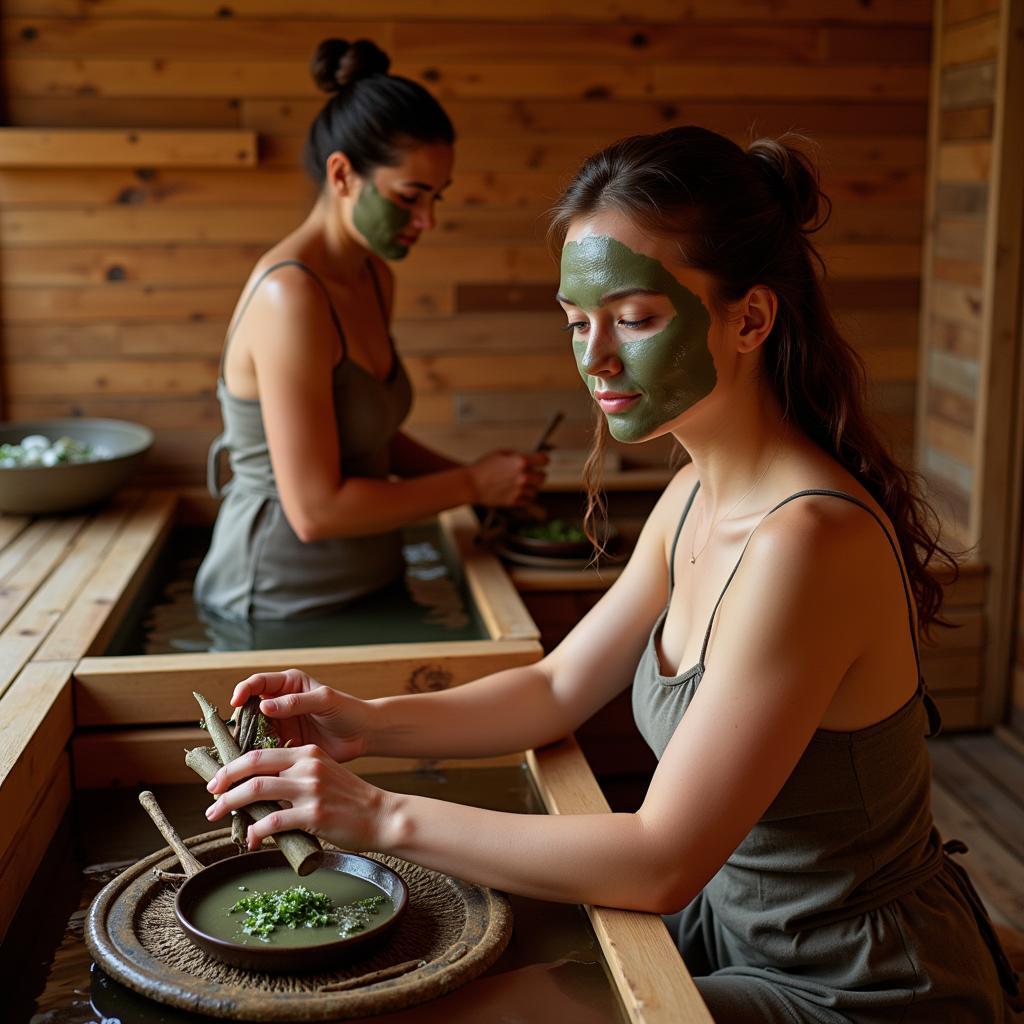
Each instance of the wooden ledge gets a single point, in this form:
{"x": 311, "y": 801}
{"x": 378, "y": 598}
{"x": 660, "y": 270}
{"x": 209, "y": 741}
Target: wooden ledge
{"x": 125, "y": 147}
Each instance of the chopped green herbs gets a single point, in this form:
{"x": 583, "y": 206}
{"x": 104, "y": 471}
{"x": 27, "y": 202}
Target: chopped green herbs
{"x": 298, "y": 907}
{"x": 553, "y": 530}
{"x": 355, "y": 917}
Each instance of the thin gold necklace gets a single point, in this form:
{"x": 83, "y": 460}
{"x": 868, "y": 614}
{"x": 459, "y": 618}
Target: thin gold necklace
{"x": 746, "y": 494}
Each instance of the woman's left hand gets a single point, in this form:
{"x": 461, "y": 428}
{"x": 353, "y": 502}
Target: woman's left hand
{"x": 325, "y": 798}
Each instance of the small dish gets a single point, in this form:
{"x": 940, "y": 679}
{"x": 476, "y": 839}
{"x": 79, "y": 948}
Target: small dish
{"x": 547, "y": 548}
{"x": 260, "y": 956}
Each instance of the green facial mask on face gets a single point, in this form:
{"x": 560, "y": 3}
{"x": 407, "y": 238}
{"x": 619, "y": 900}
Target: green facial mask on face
{"x": 673, "y": 369}
{"x": 380, "y": 222}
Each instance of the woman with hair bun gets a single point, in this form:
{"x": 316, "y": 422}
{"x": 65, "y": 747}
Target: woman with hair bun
{"x": 767, "y": 623}
{"x": 312, "y": 391}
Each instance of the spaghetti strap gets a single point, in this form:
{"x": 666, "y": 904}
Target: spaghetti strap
{"x": 378, "y": 290}
{"x": 934, "y": 720}
{"x": 675, "y": 539}
{"x": 384, "y": 316}
{"x": 252, "y": 291}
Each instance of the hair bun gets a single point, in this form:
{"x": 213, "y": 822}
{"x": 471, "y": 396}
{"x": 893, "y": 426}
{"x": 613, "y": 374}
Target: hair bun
{"x": 794, "y": 179}
{"x": 338, "y": 63}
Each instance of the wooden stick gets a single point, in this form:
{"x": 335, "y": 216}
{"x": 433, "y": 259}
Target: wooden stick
{"x": 374, "y": 976}
{"x": 302, "y": 850}
{"x": 188, "y": 860}
{"x": 220, "y": 735}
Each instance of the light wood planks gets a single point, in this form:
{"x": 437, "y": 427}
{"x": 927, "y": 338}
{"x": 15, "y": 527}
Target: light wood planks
{"x": 112, "y": 585}
{"x": 19, "y": 862}
{"x": 531, "y": 87}
{"x": 95, "y": 147}
{"x": 969, "y": 439}
{"x": 494, "y": 596}
{"x": 977, "y": 797}
{"x": 155, "y": 756}
{"x": 73, "y": 564}
{"x": 652, "y": 981}
{"x": 35, "y": 726}
{"x": 997, "y": 505}
{"x": 158, "y": 688}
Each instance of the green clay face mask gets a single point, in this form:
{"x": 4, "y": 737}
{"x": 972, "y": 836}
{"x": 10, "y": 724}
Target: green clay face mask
{"x": 671, "y": 370}
{"x": 380, "y": 222}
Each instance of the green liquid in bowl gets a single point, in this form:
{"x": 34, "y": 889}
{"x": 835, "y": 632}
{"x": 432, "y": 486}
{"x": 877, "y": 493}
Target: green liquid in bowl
{"x": 213, "y": 914}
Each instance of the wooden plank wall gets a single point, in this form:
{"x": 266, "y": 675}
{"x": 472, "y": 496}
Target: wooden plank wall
{"x": 969, "y": 399}
{"x": 115, "y": 285}
{"x": 952, "y": 314}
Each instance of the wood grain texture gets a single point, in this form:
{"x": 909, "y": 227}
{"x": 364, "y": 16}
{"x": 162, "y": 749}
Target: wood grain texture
{"x": 116, "y": 283}
{"x": 154, "y": 756}
{"x": 19, "y": 861}
{"x": 883, "y": 12}
{"x": 655, "y": 986}
{"x": 98, "y": 147}
{"x": 35, "y": 725}
{"x": 158, "y": 688}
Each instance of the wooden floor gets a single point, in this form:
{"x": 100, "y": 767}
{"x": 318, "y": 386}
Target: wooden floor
{"x": 978, "y": 796}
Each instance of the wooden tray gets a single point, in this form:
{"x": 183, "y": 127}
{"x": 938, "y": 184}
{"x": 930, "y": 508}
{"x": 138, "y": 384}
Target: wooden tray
{"x": 456, "y": 930}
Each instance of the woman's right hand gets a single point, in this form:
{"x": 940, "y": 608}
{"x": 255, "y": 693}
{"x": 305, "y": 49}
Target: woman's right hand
{"x": 506, "y": 478}
{"x": 304, "y": 711}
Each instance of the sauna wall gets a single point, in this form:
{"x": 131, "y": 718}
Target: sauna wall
{"x": 970, "y": 396}
{"x": 116, "y": 283}
{"x": 952, "y": 314}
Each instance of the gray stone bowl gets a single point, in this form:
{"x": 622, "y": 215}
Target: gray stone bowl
{"x": 37, "y": 490}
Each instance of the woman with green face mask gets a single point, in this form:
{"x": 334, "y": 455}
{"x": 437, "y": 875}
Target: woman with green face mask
{"x": 312, "y": 391}
{"x": 767, "y": 623}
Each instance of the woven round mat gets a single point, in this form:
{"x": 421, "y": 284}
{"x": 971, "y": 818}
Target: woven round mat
{"x": 455, "y": 929}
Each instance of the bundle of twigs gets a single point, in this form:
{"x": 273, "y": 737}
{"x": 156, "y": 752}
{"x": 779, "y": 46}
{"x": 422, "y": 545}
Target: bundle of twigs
{"x": 302, "y": 850}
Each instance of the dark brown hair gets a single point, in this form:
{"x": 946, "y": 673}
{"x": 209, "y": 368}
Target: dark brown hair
{"x": 371, "y": 116}
{"x": 745, "y": 217}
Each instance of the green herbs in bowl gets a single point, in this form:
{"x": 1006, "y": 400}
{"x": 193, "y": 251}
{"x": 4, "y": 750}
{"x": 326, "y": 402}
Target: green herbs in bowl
{"x": 299, "y": 907}
{"x": 553, "y": 538}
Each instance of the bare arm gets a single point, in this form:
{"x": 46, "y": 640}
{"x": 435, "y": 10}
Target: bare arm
{"x": 410, "y": 458}
{"x": 777, "y": 664}
{"x": 294, "y": 354}
{"x": 506, "y": 711}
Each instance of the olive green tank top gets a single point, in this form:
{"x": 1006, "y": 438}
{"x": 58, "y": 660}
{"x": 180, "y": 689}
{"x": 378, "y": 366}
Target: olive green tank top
{"x": 850, "y": 831}
{"x": 256, "y": 566}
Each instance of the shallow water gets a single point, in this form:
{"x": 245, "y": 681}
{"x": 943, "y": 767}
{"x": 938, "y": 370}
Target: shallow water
{"x": 552, "y": 972}
{"x": 429, "y": 603}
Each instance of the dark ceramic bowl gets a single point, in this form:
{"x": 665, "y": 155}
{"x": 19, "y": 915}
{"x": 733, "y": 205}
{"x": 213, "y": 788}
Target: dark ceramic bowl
{"x": 554, "y": 548}
{"x": 39, "y": 490}
{"x": 266, "y": 956}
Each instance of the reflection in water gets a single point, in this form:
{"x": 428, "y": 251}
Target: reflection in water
{"x": 552, "y": 972}
{"x": 563, "y": 992}
{"x": 429, "y": 603}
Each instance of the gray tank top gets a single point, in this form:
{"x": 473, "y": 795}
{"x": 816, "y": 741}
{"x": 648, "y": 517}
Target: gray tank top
{"x": 851, "y": 824}
{"x": 256, "y": 566}
{"x": 850, "y": 832}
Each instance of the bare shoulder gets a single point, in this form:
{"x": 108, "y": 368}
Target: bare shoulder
{"x": 820, "y": 532}
{"x": 663, "y": 519}
{"x": 674, "y": 497}
{"x": 286, "y": 326}
{"x": 285, "y": 286}
{"x": 678, "y": 490}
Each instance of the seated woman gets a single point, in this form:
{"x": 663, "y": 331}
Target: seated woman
{"x": 767, "y": 622}
{"x": 312, "y": 391}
